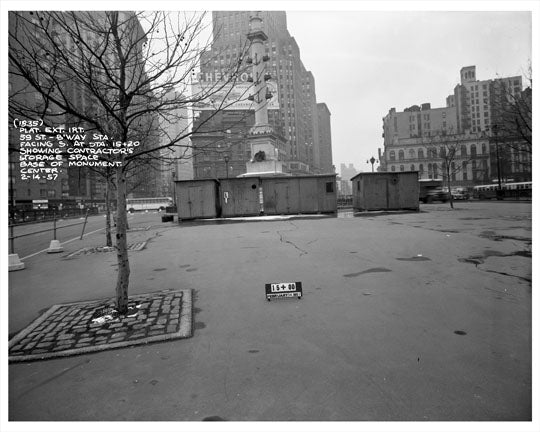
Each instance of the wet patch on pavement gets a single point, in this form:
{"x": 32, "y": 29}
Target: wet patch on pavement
{"x": 160, "y": 269}
{"x": 470, "y": 261}
{"x": 253, "y": 351}
{"x": 214, "y": 418}
{"x": 460, "y": 332}
{"x": 371, "y": 270}
{"x": 415, "y": 258}
{"x": 492, "y": 235}
{"x": 192, "y": 269}
{"x": 480, "y": 259}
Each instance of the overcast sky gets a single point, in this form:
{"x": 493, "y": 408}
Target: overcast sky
{"x": 368, "y": 57}
{"x": 366, "y": 62}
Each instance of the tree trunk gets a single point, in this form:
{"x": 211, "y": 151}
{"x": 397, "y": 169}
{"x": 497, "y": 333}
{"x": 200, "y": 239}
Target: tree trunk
{"x": 122, "y": 281}
{"x": 108, "y": 213}
{"x": 450, "y": 197}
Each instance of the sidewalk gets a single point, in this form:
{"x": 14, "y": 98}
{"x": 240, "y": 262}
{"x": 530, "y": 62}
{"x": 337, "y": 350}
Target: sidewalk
{"x": 392, "y": 305}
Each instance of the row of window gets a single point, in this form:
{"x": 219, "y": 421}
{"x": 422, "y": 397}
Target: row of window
{"x": 433, "y": 169}
{"x": 432, "y": 152}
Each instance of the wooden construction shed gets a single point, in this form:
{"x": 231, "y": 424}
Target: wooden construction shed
{"x": 252, "y": 196}
{"x": 240, "y": 197}
{"x": 301, "y": 194}
{"x": 385, "y": 191}
{"x": 197, "y": 199}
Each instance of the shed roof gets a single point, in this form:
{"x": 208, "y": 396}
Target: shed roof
{"x": 384, "y": 173}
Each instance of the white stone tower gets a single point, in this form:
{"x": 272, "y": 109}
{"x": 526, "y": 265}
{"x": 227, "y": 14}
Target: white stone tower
{"x": 267, "y": 148}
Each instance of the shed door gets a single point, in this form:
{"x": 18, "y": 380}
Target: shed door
{"x": 194, "y": 202}
{"x": 276, "y": 196}
{"x": 309, "y": 195}
{"x": 376, "y": 192}
{"x": 202, "y": 201}
{"x": 282, "y": 197}
{"x": 394, "y": 196}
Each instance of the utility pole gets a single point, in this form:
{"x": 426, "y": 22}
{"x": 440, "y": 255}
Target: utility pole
{"x": 499, "y": 188}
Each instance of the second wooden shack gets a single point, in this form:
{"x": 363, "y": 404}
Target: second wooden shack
{"x": 385, "y": 191}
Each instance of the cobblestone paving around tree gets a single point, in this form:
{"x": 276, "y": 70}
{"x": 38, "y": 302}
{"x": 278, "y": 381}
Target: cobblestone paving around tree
{"x": 70, "y": 329}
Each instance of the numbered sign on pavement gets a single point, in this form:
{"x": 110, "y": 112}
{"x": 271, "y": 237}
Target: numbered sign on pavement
{"x": 283, "y": 290}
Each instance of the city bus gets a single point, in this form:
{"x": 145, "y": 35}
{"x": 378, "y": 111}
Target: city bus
{"x": 508, "y": 190}
{"x": 158, "y": 203}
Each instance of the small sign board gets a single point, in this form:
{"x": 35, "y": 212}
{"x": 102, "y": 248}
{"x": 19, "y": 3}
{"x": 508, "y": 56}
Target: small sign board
{"x": 283, "y": 290}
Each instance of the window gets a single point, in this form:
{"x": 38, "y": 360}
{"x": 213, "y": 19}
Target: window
{"x": 411, "y": 154}
{"x": 401, "y": 168}
{"x": 420, "y": 154}
{"x": 329, "y": 187}
{"x": 392, "y": 168}
{"x": 463, "y": 150}
{"x": 473, "y": 150}
{"x": 401, "y": 155}
{"x": 392, "y": 155}
{"x": 442, "y": 152}
{"x": 412, "y": 167}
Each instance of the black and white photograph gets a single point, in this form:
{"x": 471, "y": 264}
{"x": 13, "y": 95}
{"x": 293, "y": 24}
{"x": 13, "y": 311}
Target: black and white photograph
{"x": 310, "y": 215}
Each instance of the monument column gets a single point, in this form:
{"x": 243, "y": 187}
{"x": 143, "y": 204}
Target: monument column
{"x": 267, "y": 148}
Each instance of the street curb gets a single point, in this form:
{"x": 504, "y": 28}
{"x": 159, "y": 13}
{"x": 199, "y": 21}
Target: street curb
{"x": 185, "y": 331}
{"x": 268, "y": 218}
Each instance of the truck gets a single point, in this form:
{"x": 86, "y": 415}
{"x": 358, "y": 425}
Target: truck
{"x": 432, "y": 190}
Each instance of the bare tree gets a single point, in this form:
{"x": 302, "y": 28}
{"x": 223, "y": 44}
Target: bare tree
{"x": 449, "y": 155}
{"x": 109, "y": 73}
{"x": 512, "y": 122}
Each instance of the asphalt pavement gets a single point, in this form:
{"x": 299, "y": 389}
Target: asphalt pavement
{"x": 405, "y": 317}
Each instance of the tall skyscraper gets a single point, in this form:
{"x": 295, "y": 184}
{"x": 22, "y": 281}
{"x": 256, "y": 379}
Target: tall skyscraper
{"x": 296, "y": 114}
{"x": 325, "y": 139}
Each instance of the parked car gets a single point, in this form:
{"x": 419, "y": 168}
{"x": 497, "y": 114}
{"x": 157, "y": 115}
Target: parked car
{"x": 460, "y": 194}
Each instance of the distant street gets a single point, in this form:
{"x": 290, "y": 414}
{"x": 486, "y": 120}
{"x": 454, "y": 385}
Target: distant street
{"x": 418, "y": 316}
{"x": 70, "y": 230}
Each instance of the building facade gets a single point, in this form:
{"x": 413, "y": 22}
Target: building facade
{"x": 346, "y": 173}
{"x": 325, "y": 161}
{"x": 33, "y": 32}
{"x": 458, "y": 140}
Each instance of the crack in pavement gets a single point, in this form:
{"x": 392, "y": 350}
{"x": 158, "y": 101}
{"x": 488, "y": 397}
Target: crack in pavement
{"x": 302, "y": 251}
{"x": 508, "y": 274}
{"x": 48, "y": 380}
